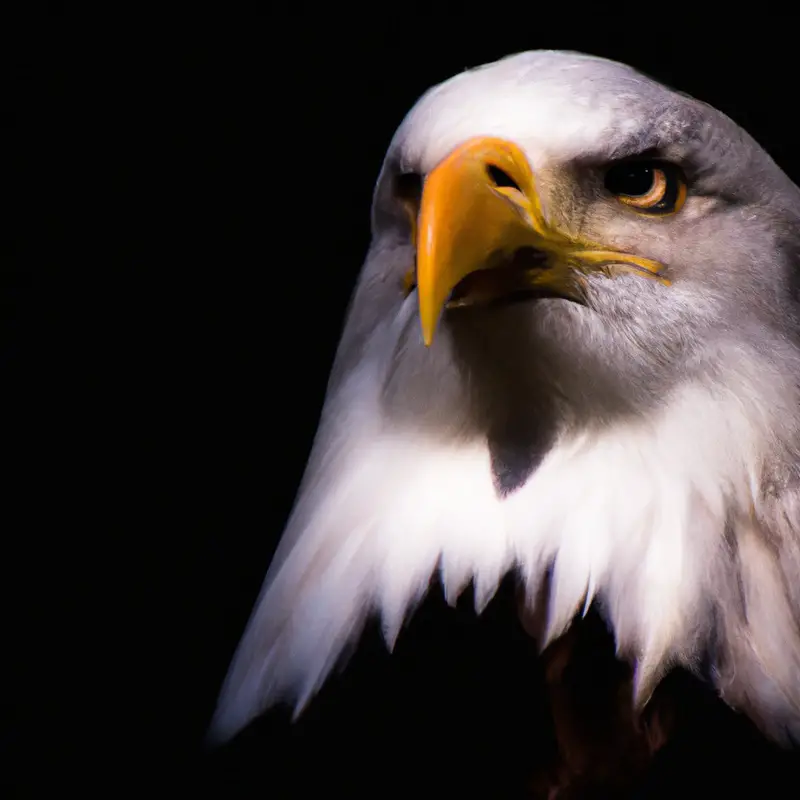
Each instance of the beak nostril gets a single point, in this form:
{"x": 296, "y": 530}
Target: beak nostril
{"x": 501, "y": 178}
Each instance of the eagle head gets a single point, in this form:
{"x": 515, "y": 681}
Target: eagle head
{"x": 572, "y": 351}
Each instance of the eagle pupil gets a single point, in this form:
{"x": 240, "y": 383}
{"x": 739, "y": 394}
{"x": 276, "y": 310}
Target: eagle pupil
{"x": 632, "y": 180}
{"x": 408, "y": 186}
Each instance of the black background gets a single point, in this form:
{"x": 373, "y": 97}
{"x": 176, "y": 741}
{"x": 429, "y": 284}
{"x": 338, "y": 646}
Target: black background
{"x": 188, "y": 210}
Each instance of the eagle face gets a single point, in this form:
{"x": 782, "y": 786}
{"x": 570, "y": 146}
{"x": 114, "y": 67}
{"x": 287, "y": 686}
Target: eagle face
{"x": 572, "y": 350}
{"x": 589, "y": 131}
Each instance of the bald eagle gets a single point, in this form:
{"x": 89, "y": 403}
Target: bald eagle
{"x": 572, "y": 353}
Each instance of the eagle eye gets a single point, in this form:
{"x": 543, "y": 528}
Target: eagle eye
{"x": 408, "y": 187}
{"x": 408, "y": 191}
{"x": 649, "y": 186}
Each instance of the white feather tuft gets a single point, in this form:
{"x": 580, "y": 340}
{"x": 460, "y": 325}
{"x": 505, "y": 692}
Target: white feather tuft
{"x": 371, "y": 538}
{"x": 632, "y": 513}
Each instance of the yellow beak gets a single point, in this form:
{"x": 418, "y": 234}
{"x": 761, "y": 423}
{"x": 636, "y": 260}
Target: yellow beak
{"x": 479, "y": 208}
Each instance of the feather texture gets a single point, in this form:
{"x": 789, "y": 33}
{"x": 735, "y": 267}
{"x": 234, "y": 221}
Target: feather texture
{"x": 637, "y": 513}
